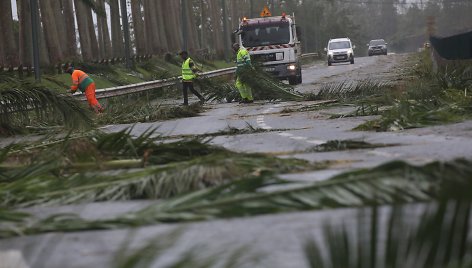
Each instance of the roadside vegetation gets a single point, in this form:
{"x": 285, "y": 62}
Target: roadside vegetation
{"x": 425, "y": 98}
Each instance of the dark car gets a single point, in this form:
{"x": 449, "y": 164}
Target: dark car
{"x": 377, "y": 47}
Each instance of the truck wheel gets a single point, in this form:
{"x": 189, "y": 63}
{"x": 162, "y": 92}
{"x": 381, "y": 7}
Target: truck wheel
{"x": 329, "y": 63}
{"x": 299, "y": 78}
{"x": 352, "y": 61}
{"x": 292, "y": 80}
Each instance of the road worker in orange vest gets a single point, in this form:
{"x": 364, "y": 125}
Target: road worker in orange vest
{"x": 81, "y": 81}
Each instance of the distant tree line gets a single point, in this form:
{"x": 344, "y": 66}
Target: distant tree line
{"x": 91, "y": 30}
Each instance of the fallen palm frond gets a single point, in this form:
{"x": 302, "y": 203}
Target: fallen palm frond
{"x": 144, "y": 111}
{"x": 350, "y": 91}
{"x": 78, "y": 169}
{"x": 264, "y": 87}
{"x": 440, "y": 237}
{"x": 391, "y": 183}
{"x": 24, "y": 104}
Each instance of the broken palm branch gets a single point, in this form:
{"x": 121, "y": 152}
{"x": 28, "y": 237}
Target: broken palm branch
{"x": 117, "y": 166}
{"x": 424, "y": 235}
{"x": 263, "y": 85}
{"x": 24, "y": 104}
{"x": 266, "y": 87}
{"x": 391, "y": 183}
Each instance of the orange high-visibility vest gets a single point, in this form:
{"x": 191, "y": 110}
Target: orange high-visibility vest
{"x": 80, "y": 80}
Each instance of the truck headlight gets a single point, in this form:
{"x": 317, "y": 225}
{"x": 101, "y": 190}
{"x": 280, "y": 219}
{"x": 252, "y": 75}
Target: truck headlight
{"x": 292, "y": 67}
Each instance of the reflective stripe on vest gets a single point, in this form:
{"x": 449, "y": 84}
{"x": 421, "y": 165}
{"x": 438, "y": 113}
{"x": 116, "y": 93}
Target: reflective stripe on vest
{"x": 187, "y": 73}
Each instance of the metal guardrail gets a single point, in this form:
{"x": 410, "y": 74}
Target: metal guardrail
{"x": 314, "y": 54}
{"x": 144, "y": 86}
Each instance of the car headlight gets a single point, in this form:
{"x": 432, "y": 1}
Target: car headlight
{"x": 292, "y": 67}
{"x": 350, "y": 52}
{"x": 330, "y": 53}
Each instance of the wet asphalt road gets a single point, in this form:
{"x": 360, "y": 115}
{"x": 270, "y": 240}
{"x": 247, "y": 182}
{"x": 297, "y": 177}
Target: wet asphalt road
{"x": 277, "y": 238}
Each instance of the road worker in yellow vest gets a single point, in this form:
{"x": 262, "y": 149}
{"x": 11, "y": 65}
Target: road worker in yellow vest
{"x": 189, "y": 71}
{"x": 243, "y": 60}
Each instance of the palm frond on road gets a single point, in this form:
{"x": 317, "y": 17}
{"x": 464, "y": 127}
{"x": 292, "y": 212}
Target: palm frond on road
{"x": 392, "y": 183}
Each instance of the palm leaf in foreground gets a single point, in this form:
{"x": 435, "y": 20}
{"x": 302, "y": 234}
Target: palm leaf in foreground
{"x": 395, "y": 182}
{"x": 25, "y": 104}
{"x": 440, "y": 237}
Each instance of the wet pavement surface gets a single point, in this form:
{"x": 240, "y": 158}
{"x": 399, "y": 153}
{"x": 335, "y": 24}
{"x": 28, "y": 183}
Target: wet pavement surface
{"x": 277, "y": 238}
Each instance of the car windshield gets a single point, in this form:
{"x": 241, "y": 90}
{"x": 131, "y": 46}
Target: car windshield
{"x": 339, "y": 45}
{"x": 265, "y": 34}
{"x": 377, "y": 42}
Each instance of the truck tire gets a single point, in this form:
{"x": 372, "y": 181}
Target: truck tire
{"x": 352, "y": 61}
{"x": 329, "y": 63}
{"x": 292, "y": 80}
{"x": 299, "y": 78}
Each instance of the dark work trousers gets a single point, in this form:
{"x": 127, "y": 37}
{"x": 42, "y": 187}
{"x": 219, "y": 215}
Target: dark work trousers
{"x": 189, "y": 85}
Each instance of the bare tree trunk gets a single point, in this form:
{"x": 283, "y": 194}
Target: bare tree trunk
{"x": 138, "y": 25}
{"x": 151, "y": 27}
{"x": 43, "y": 49}
{"x": 25, "y": 38}
{"x": 92, "y": 33}
{"x": 217, "y": 33}
{"x": 191, "y": 27}
{"x": 104, "y": 42}
{"x": 2, "y": 49}
{"x": 173, "y": 28}
{"x": 161, "y": 24}
{"x": 116, "y": 33}
{"x": 60, "y": 26}
{"x": 70, "y": 34}
{"x": 85, "y": 44}
{"x": 6, "y": 22}
{"x": 50, "y": 31}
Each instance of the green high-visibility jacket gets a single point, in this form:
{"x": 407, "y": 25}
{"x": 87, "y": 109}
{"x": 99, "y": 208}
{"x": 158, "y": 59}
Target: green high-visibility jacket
{"x": 187, "y": 72}
{"x": 243, "y": 59}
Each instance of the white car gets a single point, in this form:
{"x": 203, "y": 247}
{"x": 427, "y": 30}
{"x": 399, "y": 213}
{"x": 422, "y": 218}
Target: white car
{"x": 340, "y": 50}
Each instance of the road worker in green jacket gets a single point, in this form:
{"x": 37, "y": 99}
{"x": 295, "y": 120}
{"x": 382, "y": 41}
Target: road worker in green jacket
{"x": 189, "y": 71}
{"x": 243, "y": 60}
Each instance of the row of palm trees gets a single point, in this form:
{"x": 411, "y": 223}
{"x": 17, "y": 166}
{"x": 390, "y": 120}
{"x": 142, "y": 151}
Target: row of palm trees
{"x": 91, "y": 30}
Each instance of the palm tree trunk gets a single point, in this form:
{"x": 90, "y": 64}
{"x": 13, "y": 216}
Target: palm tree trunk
{"x": 52, "y": 37}
{"x": 138, "y": 25}
{"x": 70, "y": 34}
{"x": 116, "y": 33}
{"x": 6, "y": 24}
{"x": 85, "y": 44}
{"x": 25, "y": 37}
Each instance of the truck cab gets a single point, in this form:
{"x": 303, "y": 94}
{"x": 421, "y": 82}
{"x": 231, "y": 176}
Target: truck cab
{"x": 273, "y": 42}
